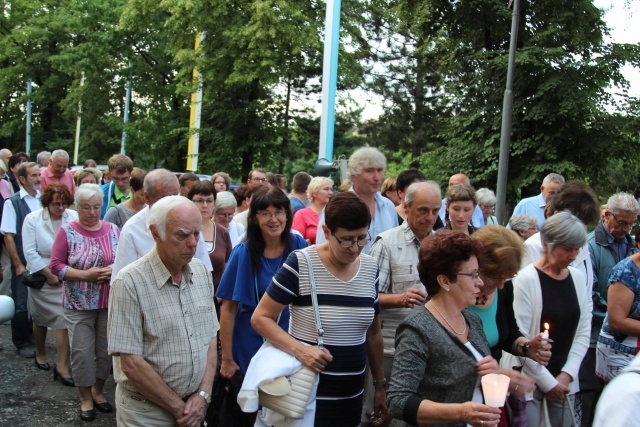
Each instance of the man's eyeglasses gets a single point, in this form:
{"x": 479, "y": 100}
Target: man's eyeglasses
{"x": 120, "y": 179}
{"x": 259, "y": 179}
{"x": 623, "y": 223}
{"x": 361, "y": 242}
{"x": 475, "y": 275}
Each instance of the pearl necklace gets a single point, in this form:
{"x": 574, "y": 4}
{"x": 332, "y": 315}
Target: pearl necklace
{"x": 464, "y": 331}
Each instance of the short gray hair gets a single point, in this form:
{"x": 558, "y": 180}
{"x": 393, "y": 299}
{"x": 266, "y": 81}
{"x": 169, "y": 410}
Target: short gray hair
{"x": 422, "y": 186}
{"x": 59, "y": 153}
{"x": 522, "y": 222}
{"x": 563, "y": 229}
{"x": 43, "y": 155}
{"x": 158, "y": 177}
{"x": 316, "y": 184}
{"x": 484, "y": 196}
{"x": 225, "y": 199}
{"x": 365, "y": 156}
{"x": 623, "y": 202}
{"x": 86, "y": 192}
{"x": 553, "y": 177}
{"x": 159, "y": 213}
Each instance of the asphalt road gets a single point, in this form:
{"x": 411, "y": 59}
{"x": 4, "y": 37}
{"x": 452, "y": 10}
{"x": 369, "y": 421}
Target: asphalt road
{"x": 30, "y": 397}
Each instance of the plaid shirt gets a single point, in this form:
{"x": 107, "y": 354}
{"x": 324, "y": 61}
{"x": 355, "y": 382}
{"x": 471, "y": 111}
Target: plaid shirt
{"x": 170, "y": 325}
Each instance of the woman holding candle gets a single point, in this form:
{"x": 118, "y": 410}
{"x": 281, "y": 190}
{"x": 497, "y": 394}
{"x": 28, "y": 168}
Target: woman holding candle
{"x": 441, "y": 349}
{"x": 499, "y": 261}
{"x": 549, "y": 291}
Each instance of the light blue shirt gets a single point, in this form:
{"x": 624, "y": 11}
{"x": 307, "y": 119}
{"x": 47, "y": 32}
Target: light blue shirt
{"x": 477, "y": 219}
{"x": 532, "y": 206}
{"x": 385, "y": 218}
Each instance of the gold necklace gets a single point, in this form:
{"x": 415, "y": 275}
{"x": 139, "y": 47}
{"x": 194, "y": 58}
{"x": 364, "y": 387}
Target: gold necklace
{"x": 464, "y": 331}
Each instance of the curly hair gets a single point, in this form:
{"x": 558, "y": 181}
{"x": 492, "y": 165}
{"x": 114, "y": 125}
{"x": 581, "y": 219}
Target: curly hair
{"x": 442, "y": 254}
{"x": 51, "y": 190}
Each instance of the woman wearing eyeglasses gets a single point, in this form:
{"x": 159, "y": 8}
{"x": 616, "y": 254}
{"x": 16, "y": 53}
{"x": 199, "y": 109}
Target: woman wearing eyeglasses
{"x": 223, "y": 213}
{"x": 249, "y": 271}
{"x": 81, "y": 256}
{"x": 499, "y": 261}
{"x": 38, "y": 231}
{"x": 441, "y": 349}
{"x": 487, "y": 202}
{"x": 550, "y": 291}
{"x": 216, "y": 237}
{"x": 346, "y": 283}
{"x": 221, "y": 181}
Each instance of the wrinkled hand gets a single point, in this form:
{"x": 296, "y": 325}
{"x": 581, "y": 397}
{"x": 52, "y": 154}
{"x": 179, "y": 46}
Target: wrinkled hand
{"x": 557, "y": 393}
{"x": 194, "y": 412}
{"x": 379, "y": 416}
{"x": 488, "y": 365}
{"x": 228, "y": 368}
{"x": 479, "y": 415}
{"x": 314, "y": 358}
{"x": 539, "y": 350}
{"x": 519, "y": 383}
{"x": 53, "y": 281}
{"x": 413, "y": 297}
{"x": 97, "y": 274}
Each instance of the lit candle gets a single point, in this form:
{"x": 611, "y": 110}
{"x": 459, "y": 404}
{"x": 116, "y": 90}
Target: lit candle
{"x": 545, "y": 334}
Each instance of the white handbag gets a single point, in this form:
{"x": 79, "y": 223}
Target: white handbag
{"x": 289, "y": 395}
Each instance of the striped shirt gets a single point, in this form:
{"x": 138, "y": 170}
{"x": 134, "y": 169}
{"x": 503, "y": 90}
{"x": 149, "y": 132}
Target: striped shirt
{"x": 346, "y": 310}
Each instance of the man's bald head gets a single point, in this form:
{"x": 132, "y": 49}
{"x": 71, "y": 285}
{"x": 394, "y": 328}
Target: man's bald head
{"x": 459, "y": 178}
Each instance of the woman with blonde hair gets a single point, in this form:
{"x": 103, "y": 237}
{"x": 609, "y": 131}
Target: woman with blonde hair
{"x": 460, "y": 204}
{"x": 305, "y": 221}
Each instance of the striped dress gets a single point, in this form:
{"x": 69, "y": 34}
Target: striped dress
{"x": 346, "y": 311}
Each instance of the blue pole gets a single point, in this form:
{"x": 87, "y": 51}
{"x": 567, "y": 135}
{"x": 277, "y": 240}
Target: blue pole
{"x": 329, "y": 79}
{"x": 28, "y": 148}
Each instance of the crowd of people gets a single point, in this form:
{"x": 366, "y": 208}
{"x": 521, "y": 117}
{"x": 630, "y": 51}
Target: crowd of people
{"x": 173, "y": 283}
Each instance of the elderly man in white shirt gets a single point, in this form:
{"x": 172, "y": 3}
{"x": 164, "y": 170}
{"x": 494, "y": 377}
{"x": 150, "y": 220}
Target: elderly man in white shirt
{"x": 135, "y": 238}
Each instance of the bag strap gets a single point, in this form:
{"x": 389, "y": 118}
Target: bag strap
{"x": 567, "y": 402}
{"x": 314, "y": 300}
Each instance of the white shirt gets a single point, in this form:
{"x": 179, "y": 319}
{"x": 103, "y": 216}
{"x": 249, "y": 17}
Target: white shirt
{"x": 38, "y": 235}
{"x": 241, "y": 218}
{"x": 236, "y": 230}
{"x": 618, "y": 405}
{"x": 9, "y": 213}
{"x": 136, "y": 241}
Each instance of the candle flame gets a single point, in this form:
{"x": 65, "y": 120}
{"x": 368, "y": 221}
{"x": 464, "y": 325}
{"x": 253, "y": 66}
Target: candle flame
{"x": 546, "y": 326}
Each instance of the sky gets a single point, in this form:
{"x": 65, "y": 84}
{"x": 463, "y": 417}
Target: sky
{"x": 622, "y": 30}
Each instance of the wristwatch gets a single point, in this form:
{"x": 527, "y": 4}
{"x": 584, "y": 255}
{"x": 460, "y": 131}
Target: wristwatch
{"x": 205, "y": 395}
{"x": 380, "y": 383}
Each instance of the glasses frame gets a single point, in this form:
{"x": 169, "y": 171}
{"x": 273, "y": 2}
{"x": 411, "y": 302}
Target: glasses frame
{"x": 279, "y": 214}
{"x": 359, "y": 242}
{"x": 623, "y": 223}
{"x": 475, "y": 275}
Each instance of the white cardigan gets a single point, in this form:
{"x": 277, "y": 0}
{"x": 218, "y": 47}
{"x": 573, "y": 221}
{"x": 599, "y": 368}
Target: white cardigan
{"x": 527, "y": 305}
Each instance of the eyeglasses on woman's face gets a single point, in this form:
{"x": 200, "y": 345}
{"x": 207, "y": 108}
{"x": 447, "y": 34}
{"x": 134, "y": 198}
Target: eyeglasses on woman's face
{"x": 360, "y": 241}
{"x": 475, "y": 274}
{"x": 267, "y": 215}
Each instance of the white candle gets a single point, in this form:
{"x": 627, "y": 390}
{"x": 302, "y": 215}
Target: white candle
{"x": 545, "y": 334}
{"x": 494, "y": 388}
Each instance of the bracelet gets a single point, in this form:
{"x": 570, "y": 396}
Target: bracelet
{"x": 380, "y": 383}
{"x": 525, "y": 348}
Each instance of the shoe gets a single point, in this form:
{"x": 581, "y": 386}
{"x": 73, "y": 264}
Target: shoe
{"x": 89, "y": 415}
{"x": 104, "y": 407}
{"x": 27, "y": 352}
{"x": 65, "y": 381}
{"x": 44, "y": 366}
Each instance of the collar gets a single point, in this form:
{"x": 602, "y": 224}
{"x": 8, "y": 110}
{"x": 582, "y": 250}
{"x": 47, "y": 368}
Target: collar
{"x": 612, "y": 240}
{"x": 23, "y": 193}
{"x": 409, "y": 235}
{"x": 376, "y": 197}
{"x": 162, "y": 275}
{"x": 541, "y": 203}
{"x": 119, "y": 194}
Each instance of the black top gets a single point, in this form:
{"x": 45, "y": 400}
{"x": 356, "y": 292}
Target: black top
{"x": 561, "y": 310}
{"x": 508, "y": 331}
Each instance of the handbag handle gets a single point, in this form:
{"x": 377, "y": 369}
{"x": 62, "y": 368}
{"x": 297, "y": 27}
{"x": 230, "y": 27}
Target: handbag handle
{"x": 314, "y": 300}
